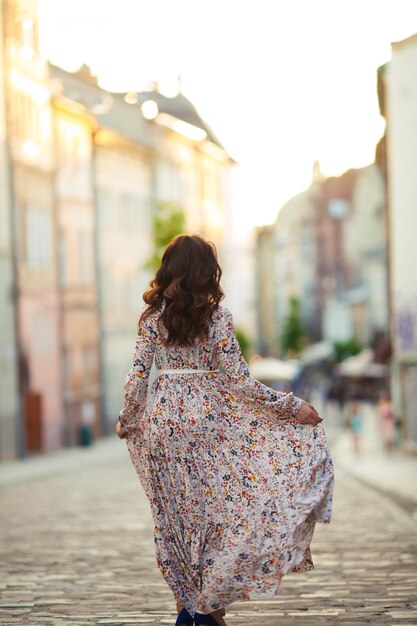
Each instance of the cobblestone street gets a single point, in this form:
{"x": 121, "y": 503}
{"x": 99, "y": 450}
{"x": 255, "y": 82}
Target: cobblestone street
{"x": 77, "y": 549}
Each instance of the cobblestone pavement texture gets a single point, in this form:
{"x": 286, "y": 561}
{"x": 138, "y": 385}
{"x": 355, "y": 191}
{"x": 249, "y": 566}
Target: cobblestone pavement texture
{"x": 77, "y": 548}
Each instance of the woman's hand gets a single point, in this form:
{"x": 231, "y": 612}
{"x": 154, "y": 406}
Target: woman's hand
{"x": 307, "y": 414}
{"x": 118, "y": 430}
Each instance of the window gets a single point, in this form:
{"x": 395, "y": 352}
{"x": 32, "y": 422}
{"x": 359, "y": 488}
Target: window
{"x": 85, "y": 259}
{"x": 64, "y": 274}
{"x": 38, "y": 237}
{"x": 106, "y": 207}
{"x": 27, "y": 33}
{"x": 43, "y": 333}
{"x": 90, "y": 365}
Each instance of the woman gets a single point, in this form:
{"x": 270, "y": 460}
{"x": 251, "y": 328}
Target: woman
{"x": 236, "y": 474}
{"x": 386, "y": 420}
{"x": 355, "y": 424}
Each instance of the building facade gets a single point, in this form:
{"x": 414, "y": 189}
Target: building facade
{"x": 10, "y": 414}
{"x": 75, "y": 233}
{"x": 30, "y": 145}
{"x": 123, "y": 178}
{"x": 192, "y": 168}
{"x": 401, "y": 113}
{"x": 267, "y": 330}
{"x": 328, "y": 248}
{"x": 365, "y": 257}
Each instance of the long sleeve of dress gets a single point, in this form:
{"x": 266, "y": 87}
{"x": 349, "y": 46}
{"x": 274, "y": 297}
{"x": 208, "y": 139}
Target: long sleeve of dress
{"x": 136, "y": 383}
{"x": 240, "y": 381}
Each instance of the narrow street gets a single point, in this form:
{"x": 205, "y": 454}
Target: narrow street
{"x": 77, "y": 549}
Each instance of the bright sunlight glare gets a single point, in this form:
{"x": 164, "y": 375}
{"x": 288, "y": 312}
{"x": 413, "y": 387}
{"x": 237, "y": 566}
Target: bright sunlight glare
{"x": 282, "y": 84}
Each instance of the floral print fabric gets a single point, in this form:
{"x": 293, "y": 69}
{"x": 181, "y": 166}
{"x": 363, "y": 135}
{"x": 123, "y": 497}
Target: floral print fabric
{"x": 235, "y": 482}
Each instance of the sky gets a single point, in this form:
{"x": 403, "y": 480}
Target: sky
{"x": 281, "y": 82}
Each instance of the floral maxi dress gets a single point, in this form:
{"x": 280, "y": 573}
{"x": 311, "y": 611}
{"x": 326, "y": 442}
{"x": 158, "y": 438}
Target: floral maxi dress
{"x": 235, "y": 482}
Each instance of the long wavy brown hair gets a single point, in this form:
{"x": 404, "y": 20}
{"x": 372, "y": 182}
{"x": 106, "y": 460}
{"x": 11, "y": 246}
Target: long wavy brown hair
{"x": 188, "y": 283}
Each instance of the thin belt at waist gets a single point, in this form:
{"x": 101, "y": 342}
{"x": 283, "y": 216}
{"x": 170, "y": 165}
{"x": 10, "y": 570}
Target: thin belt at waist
{"x": 184, "y": 371}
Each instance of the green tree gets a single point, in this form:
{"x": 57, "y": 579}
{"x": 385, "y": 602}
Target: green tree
{"x": 168, "y": 221}
{"x": 244, "y": 342}
{"x": 293, "y": 336}
{"x": 344, "y": 349}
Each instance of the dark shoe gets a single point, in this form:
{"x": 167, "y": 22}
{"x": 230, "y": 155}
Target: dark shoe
{"x": 204, "y": 620}
{"x": 218, "y": 616}
{"x": 184, "y": 618}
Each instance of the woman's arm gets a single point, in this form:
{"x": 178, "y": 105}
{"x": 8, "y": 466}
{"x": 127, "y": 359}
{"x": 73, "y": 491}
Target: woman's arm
{"x": 136, "y": 383}
{"x": 231, "y": 361}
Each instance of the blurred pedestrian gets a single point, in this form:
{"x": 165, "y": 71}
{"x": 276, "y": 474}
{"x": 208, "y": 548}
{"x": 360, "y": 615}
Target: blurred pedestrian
{"x": 237, "y": 474}
{"x": 386, "y": 418}
{"x": 355, "y": 424}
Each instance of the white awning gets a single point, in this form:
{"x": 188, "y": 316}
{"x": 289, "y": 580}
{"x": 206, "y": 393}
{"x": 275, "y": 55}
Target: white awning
{"x": 273, "y": 369}
{"x": 361, "y": 365}
{"x": 320, "y": 351}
